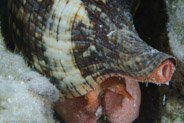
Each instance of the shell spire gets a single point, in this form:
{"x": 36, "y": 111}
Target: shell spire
{"x": 81, "y": 43}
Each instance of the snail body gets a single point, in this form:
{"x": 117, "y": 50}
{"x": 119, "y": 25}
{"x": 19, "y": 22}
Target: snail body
{"x": 86, "y": 47}
{"x": 81, "y": 43}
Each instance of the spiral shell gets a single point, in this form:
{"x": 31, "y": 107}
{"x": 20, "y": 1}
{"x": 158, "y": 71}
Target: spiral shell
{"x": 80, "y": 43}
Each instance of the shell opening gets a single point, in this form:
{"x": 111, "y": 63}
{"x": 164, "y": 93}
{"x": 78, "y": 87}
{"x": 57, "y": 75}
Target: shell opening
{"x": 163, "y": 72}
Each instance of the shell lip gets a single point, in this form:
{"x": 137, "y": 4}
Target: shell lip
{"x": 169, "y": 64}
{"x": 172, "y": 62}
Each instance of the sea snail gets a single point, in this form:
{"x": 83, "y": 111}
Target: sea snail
{"x": 86, "y": 46}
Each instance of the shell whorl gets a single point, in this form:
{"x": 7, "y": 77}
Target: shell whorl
{"x": 80, "y": 43}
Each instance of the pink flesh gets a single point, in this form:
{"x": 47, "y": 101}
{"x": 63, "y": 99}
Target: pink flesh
{"x": 163, "y": 72}
{"x": 114, "y": 84}
{"x": 77, "y": 111}
{"x": 118, "y": 108}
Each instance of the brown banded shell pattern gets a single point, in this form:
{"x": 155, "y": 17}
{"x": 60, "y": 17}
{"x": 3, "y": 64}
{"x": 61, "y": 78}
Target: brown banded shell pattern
{"x": 80, "y": 43}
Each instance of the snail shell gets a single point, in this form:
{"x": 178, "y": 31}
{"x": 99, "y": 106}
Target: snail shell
{"x": 81, "y": 43}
